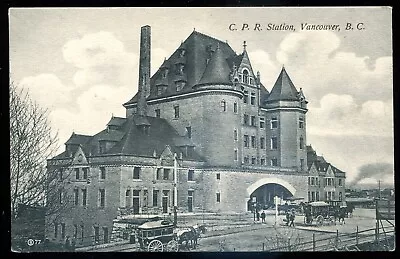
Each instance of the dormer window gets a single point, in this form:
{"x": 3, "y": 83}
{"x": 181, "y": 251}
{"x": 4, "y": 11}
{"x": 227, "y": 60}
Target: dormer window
{"x": 245, "y": 76}
{"x": 180, "y": 69}
{"x": 179, "y": 85}
{"x": 159, "y": 90}
{"x": 164, "y": 73}
{"x": 182, "y": 53}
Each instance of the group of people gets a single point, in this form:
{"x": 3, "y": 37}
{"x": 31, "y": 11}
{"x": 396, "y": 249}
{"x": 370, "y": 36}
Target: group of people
{"x": 262, "y": 216}
{"x": 290, "y": 216}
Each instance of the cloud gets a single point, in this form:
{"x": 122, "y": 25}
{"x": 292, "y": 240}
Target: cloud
{"x": 42, "y": 86}
{"x": 261, "y": 61}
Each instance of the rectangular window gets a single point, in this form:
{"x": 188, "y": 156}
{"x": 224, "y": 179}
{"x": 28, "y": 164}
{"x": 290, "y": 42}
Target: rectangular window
{"x": 82, "y": 232}
{"x": 159, "y": 90}
{"x": 301, "y": 164}
{"x": 245, "y": 97}
{"x": 218, "y": 176}
{"x": 253, "y": 141}
{"x": 158, "y": 113}
{"x": 253, "y": 99}
{"x": 274, "y": 143}
{"x": 96, "y": 234}
{"x": 333, "y": 195}
{"x": 246, "y": 140}
{"x": 159, "y": 174}
{"x": 136, "y": 173}
{"x": 253, "y": 160}
{"x": 245, "y": 119}
{"x": 340, "y": 196}
{"x": 301, "y": 143}
{"x": 274, "y": 123}
{"x": 262, "y": 161}
{"x": 313, "y": 196}
{"x": 309, "y": 196}
{"x": 312, "y": 181}
{"x": 155, "y": 197}
{"x": 253, "y": 121}
{"x": 223, "y": 105}
{"x": 77, "y": 173}
{"x": 317, "y": 196}
{"x": 262, "y": 143}
{"x": 176, "y": 112}
{"x": 246, "y": 159}
{"x": 145, "y": 198}
{"x": 102, "y": 198}
{"x": 274, "y": 162}
{"x": 62, "y": 231}
{"x": 102, "y": 173}
{"x": 262, "y": 123}
{"x": 166, "y": 173}
{"x": 301, "y": 122}
{"x": 191, "y": 175}
{"x": 84, "y": 197}
{"x": 75, "y": 231}
{"x": 309, "y": 180}
{"x": 235, "y": 135}
{"x": 76, "y": 197}
{"x": 105, "y": 234}
{"x": 235, "y": 107}
{"x": 340, "y": 182}
{"x": 85, "y": 172}
{"x": 235, "y": 155}
{"x": 128, "y": 199}
{"x": 218, "y": 197}
{"x": 189, "y": 132}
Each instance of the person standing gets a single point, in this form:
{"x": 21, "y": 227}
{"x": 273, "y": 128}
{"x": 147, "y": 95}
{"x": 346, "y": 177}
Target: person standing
{"x": 263, "y": 217}
{"x": 292, "y": 217}
{"x": 258, "y": 216}
{"x": 287, "y": 218}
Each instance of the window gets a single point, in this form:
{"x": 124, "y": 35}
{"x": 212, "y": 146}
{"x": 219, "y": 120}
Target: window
{"x": 309, "y": 180}
{"x": 262, "y": 143}
{"x": 245, "y": 76}
{"x": 62, "y": 231}
{"x": 250, "y": 81}
{"x": 309, "y": 196}
{"x": 105, "y": 234}
{"x": 96, "y": 234}
{"x": 246, "y": 140}
{"x": 312, "y": 181}
{"x": 333, "y": 195}
{"x": 179, "y": 85}
{"x": 128, "y": 199}
{"x": 301, "y": 164}
{"x": 235, "y": 108}
{"x": 159, "y": 90}
{"x": 155, "y": 198}
{"x": 158, "y": 113}
{"x": 218, "y": 197}
{"x": 253, "y": 121}
{"x": 253, "y": 141}
{"x": 313, "y": 196}
{"x": 274, "y": 162}
{"x": 301, "y": 143}
{"x": 176, "y": 112}
{"x": 340, "y": 196}
{"x": 102, "y": 198}
{"x": 166, "y": 173}
{"x": 136, "y": 173}
{"x": 340, "y": 182}
{"x": 84, "y": 197}
{"x": 77, "y": 173}
{"x": 301, "y": 122}
{"x": 85, "y": 172}
{"x": 274, "y": 143}
{"x": 245, "y": 119}
{"x": 76, "y": 197}
{"x": 191, "y": 175}
{"x": 102, "y": 173}
{"x": 246, "y": 159}
{"x": 223, "y": 106}
{"x": 102, "y": 147}
{"x": 235, "y": 135}
{"x": 55, "y": 230}
{"x": 253, "y": 98}
{"x": 317, "y": 196}
{"x": 75, "y": 231}
{"x": 82, "y": 232}
{"x": 218, "y": 176}
{"x": 262, "y": 161}
{"x": 245, "y": 97}
{"x": 253, "y": 160}
{"x": 236, "y": 155}
{"x": 274, "y": 123}
{"x": 145, "y": 198}
{"x": 158, "y": 174}
{"x": 189, "y": 132}
{"x": 262, "y": 123}
{"x": 60, "y": 196}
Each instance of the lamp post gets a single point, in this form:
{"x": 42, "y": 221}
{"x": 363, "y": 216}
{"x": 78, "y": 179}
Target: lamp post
{"x": 276, "y": 209}
{"x": 175, "y": 189}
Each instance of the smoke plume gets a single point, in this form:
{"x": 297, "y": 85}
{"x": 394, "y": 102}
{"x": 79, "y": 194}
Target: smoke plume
{"x": 375, "y": 170}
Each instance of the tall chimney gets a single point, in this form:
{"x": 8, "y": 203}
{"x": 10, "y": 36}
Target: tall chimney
{"x": 144, "y": 70}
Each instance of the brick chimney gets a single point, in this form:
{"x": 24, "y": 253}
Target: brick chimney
{"x": 144, "y": 70}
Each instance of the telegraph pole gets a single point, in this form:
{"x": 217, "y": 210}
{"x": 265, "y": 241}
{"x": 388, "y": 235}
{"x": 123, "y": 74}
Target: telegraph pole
{"x": 175, "y": 189}
{"x": 379, "y": 188}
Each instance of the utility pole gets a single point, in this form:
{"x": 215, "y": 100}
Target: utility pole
{"x": 175, "y": 189}
{"x": 379, "y": 188}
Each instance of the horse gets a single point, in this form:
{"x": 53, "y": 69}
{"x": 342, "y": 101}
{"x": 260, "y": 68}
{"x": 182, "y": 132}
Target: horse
{"x": 190, "y": 235}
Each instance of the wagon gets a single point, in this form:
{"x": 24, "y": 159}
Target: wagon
{"x": 318, "y": 213}
{"x": 157, "y": 236}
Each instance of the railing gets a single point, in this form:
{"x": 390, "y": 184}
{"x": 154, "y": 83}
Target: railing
{"x": 334, "y": 242}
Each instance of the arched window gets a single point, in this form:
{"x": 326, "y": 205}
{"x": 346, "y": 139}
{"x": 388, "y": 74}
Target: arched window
{"x": 245, "y": 76}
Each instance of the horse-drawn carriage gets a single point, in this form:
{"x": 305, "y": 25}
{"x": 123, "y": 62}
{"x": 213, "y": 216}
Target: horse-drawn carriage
{"x": 159, "y": 236}
{"x": 318, "y": 213}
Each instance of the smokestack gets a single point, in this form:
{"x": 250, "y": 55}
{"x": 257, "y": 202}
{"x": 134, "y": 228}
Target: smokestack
{"x": 144, "y": 70}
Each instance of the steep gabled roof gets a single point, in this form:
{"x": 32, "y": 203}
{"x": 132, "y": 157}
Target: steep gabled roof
{"x": 116, "y": 121}
{"x": 284, "y": 89}
{"x": 77, "y": 139}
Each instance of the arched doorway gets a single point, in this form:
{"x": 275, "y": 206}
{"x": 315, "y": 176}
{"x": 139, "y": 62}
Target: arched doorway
{"x": 262, "y": 192}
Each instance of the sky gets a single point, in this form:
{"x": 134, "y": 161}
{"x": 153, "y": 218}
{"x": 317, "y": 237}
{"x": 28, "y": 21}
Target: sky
{"x": 82, "y": 65}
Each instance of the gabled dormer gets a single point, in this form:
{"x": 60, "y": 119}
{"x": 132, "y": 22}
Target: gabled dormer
{"x": 79, "y": 158}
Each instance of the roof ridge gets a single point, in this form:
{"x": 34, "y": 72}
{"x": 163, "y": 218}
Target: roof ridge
{"x": 202, "y": 34}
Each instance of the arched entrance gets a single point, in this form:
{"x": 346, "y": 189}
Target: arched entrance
{"x": 262, "y": 192}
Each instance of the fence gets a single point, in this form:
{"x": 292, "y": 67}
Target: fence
{"x": 336, "y": 242}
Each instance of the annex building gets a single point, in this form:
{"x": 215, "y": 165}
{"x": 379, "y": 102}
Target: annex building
{"x": 235, "y": 143}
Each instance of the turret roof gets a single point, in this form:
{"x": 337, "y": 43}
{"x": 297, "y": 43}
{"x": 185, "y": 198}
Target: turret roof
{"x": 284, "y": 89}
{"x": 217, "y": 70}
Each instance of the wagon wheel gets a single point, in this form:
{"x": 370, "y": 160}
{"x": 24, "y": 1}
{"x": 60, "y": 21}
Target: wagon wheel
{"x": 320, "y": 220}
{"x": 155, "y": 246}
{"x": 172, "y": 246}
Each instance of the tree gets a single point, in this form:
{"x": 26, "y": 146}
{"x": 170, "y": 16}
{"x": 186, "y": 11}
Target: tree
{"x": 32, "y": 142}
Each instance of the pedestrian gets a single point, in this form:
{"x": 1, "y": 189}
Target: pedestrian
{"x": 263, "y": 216}
{"x": 287, "y": 218}
{"x": 258, "y": 216}
{"x": 292, "y": 217}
